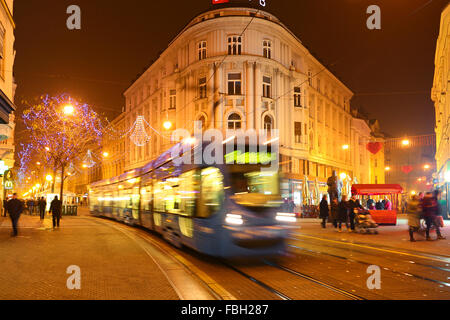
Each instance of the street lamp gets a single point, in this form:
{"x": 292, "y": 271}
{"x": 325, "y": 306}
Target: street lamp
{"x": 69, "y": 110}
{"x": 387, "y": 169}
{"x": 105, "y": 154}
{"x": 406, "y": 143}
{"x": 343, "y": 176}
{"x": 345, "y": 147}
{"x": 427, "y": 167}
{"x": 167, "y": 125}
{"x": 49, "y": 178}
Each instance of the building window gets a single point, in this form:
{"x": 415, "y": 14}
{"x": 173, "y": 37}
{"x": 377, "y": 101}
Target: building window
{"x": 318, "y": 85}
{"x": 268, "y": 124}
{"x": 234, "y": 122}
{"x": 267, "y": 87}
{"x": 310, "y": 77}
{"x": 202, "y": 121}
{"x": 234, "y": 84}
{"x": 234, "y": 45}
{"x": 298, "y": 132}
{"x": 2, "y": 50}
{"x": 173, "y": 100}
{"x": 267, "y": 49}
{"x": 202, "y": 50}
{"x": 202, "y": 88}
{"x": 297, "y": 97}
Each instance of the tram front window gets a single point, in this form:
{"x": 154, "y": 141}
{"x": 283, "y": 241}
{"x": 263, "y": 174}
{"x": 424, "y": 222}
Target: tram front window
{"x": 253, "y": 187}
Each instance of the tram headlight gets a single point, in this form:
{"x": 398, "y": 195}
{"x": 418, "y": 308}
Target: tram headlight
{"x": 286, "y": 217}
{"x": 234, "y": 219}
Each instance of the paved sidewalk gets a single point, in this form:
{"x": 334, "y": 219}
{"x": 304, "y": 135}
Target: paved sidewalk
{"x": 113, "y": 266}
{"x": 389, "y": 236}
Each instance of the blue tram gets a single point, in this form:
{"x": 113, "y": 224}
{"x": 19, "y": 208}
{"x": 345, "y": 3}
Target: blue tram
{"x": 225, "y": 210}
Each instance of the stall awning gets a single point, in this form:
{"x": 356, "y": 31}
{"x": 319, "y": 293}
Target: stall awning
{"x": 376, "y": 189}
{"x": 6, "y": 108}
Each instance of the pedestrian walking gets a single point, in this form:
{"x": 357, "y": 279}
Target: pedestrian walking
{"x": 414, "y": 213}
{"x": 324, "y": 211}
{"x": 430, "y": 214}
{"x": 334, "y": 212}
{"x": 353, "y": 205}
{"x": 30, "y": 205}
{"x": 42, "y": 205}
{"x": 343, "y": 213}
{"x": 15, "y": 209}
{"x": 56, "y": 210}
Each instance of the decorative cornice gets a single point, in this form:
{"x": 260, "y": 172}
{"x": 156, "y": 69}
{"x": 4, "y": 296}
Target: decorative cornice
{"x": 8, "y": 13}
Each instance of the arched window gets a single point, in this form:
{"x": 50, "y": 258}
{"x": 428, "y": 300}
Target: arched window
{"x": 234, "y": 122}
{"x": 268, "y": 123}
{"x": 202, "y": 121}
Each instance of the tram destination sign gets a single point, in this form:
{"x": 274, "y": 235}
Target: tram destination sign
{"x": 238, "y": 157}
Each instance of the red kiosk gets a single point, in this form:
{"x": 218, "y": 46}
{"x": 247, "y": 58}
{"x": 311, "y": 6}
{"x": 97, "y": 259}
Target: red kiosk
{"x": 392, "y": 191}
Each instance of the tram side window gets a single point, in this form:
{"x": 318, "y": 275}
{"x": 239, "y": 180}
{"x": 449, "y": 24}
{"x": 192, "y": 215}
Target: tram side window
{"x": 159, "y": 197}
{"x": 212, "y": 196}
{"x": 146, "y": 194}
{"x": 189, "y": 190}
{"x": 135, "y": 198}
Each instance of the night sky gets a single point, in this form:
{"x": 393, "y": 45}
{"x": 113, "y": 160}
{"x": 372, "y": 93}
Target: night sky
{"x": 390, "y": 71}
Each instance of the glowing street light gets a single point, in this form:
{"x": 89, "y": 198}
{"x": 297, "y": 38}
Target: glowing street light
{"x": 38, "y": 163}
{"x": 345, "y": 147}
{"x": 387, "y": 169}
{"x": 406, "y": 143}
{"x": 105, "y": 154}
{"x": 69, "y": 110}
{"x": 47, "y": 148}
{"x": 167, "y": 125}
{"x": 427, "y": 167}
{"x": 49, "y": 178}
{"x": 343, "y": 176}
{"x": 85, "y": 166}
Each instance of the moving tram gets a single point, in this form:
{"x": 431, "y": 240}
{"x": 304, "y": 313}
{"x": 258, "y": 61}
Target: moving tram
{"x": 222, "y": 210}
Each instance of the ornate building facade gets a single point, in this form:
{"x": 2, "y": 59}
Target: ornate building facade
{"x": 7, "y": 88}
{"x": 440, "y": 96}
{"x": 240, "y": 69}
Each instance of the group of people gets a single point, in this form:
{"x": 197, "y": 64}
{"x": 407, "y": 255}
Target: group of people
{"x": 426, "y": 207}
{"x": 384, "y": 204}
{"x": 339, "y": 213}
{"x": 15, "y": 208}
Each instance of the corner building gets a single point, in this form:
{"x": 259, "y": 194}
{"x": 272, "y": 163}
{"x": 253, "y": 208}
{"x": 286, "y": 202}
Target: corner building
{"x": 260, "y": 78}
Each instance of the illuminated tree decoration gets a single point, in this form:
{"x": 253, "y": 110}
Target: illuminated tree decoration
{"x": 60, "y": 130}
{"x": 139, "y": 135}
{"x": 88, "y": 161}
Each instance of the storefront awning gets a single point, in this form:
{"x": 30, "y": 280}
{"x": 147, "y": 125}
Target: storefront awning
{"x": 6, "y": 108}
{"x": 376, "y": 189}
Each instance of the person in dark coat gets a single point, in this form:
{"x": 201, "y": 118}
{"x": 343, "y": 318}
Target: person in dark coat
{"x": 334, "y": 212}
{"x": 15, "y": 209}
{"x": 353, "y": 205}
{"x": 42, "y": 206}
{"x": 324, "y": 211}
{"x": 430, "y": 212}
{"x": 56, "y": 210}
{"x": 343, "y": 213}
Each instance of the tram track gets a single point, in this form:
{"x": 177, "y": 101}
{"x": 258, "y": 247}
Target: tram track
{"x": 297, "y": 274}
{"x": 409, "y": 274}
{"x": 352, "y": 259}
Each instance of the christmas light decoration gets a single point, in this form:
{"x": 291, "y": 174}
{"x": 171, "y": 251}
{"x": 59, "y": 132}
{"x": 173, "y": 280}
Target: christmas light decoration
{"x": 139, "y": 135}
